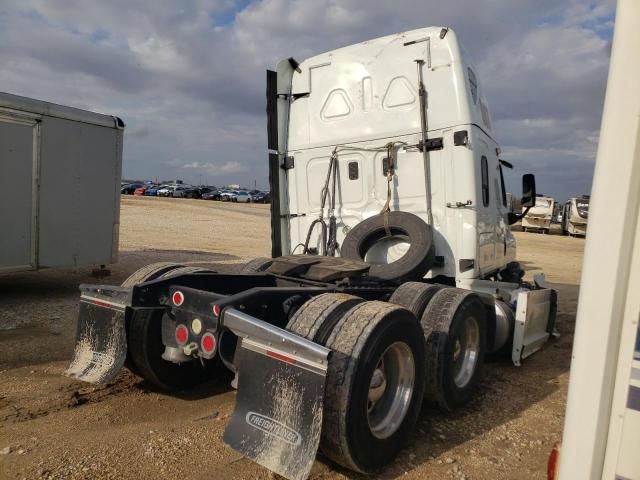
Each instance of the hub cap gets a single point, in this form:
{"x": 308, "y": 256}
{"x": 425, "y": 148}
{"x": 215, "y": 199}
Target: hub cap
{"x": 390, "y": 390}
{"x": 465, "y": 352}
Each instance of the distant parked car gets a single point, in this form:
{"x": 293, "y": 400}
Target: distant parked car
{"x": 151, "y": 191}
{"x": 211, "y": 195}
{"x": 262, "y": 197}
{"x": 243, "y": 197}
{"x": 140, "y": 191}
{"x": 166, "y": 191}
{"x": 229, "y": 196}
{"x": 193, "y": 192}
{"x": 180, "y": 191}
{"x": 130, "y": 188}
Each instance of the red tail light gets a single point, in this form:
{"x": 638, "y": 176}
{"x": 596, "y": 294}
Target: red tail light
{"x": 208, "y": 343}
{"x": 177, "y": 298}
{"x": 182, "y": 335}
{"x": 554, "y": 462}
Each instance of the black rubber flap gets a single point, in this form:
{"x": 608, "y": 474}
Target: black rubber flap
{"x": 335, "y": 268}
{"x": 278, "y": 414}
{"x": 293, "y": 264}
{"x": 101, "y": 342}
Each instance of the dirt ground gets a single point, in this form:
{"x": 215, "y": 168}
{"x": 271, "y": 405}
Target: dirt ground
{"x": 55, "y": 428}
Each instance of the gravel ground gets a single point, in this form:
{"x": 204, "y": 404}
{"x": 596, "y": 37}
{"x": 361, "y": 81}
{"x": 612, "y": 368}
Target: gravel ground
{"x": 54, "y": 428}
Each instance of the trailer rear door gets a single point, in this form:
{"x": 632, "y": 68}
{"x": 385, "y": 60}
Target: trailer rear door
{"x": 18, "y": 162}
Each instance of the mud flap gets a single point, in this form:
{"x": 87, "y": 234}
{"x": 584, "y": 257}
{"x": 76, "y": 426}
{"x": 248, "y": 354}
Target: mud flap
{"x": 278, "y": 413}
{"x": 535, "y": 317}
{"x": 101, "y": 340}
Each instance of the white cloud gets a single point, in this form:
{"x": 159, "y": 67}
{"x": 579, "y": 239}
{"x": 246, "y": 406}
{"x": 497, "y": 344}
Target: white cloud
{"x": 225, "y": 169}
{"x": 190, "y": 90}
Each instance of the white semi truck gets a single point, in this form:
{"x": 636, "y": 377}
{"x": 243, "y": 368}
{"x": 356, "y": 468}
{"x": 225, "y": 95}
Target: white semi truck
{"x": 392, "y": 275}
{"x": 539, "y": 218}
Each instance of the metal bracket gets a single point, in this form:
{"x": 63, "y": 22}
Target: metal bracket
{"x": 288, "y": 163}
{"x": 293, "y": 96}
{"x": 431, "y": 144}
{"x": 468, "y": 203}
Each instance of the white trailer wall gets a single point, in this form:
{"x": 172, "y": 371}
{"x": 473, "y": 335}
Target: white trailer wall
{"x": 60, "y": 171}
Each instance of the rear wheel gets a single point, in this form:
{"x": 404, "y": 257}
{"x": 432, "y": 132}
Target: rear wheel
{"x": 144, "y": 274}
{"x": 375, "y": 385}
{"x": 454, "y": 325}
{"x": 258, "y": 264}
{"x": 145, "y": 346}
{"x": 415, "y": 296}
{"x": 317, "y": 317}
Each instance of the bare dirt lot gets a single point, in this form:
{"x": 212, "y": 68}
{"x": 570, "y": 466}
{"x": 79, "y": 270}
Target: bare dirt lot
{"x": 53, "y": 427}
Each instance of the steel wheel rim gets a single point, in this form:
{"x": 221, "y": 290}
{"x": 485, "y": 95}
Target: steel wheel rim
{"x": 466, "y": 349}
{"x": 390, "y": 390}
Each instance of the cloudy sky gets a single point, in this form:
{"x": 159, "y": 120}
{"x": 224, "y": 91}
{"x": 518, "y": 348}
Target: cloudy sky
{"x": 188, "y": 76}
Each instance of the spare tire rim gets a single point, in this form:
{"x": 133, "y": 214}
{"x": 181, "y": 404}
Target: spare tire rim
{"x": 390, "y": 390}
{"x": 386, "y": 250}
{"x": 465, "y": 352}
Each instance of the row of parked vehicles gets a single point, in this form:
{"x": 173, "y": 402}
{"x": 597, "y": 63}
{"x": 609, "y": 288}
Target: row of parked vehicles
{"x": 572, "y": 216}
{"x": 203, "y": 192}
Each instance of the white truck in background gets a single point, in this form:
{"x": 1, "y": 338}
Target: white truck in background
{"x": 575, "y": 216}
{"x": 60, "y": 171}
{"x": 601, "y": 439}
{"x": 539, "y": 217}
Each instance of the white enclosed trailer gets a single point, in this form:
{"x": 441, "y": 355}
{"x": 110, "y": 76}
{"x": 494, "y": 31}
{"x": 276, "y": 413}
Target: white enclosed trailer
{"x": 602, "y": 427}
{"x": 60, "y": 170}
{"x": 539, "y": 217}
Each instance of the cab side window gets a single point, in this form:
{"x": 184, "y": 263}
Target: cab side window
{"x": 485, "y": 181}
{"x": 502, "y": 188}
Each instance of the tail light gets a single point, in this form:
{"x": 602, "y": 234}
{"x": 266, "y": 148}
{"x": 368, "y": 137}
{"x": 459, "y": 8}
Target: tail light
{"x": 177, "y": 298}
{"x": 554, "y": 462}
{"x": 208, "y": 343}
{"x": 182, "y": 335}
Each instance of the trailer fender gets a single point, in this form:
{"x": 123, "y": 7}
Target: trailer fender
{"x": 277, "y": 418}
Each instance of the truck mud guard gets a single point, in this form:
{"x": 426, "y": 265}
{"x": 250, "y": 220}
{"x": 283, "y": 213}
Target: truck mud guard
{"x": 278, "y": 413}
{"x": 101, "y": 339}
{"x": 535, "y": 322}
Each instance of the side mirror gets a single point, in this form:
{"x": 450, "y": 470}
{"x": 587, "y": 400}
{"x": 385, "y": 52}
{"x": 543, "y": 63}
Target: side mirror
{"x": 528, "y": 190}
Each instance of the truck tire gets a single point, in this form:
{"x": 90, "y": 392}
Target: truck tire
{"x": 317, "y": 317}
{"x": 413, "y": 265}
{"x": 415, "y": 296}
{"x": 145, "y": 274}
{"x": 374, "y": 387}
{"x": 258, "y": 264}
{"x": 149, "y": 272}
{"x": 145, "y": 348}
{"x": 454, "y": 325}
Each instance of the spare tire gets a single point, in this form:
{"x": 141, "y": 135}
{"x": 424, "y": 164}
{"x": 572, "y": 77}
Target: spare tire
{"x": 413, "y": 265}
